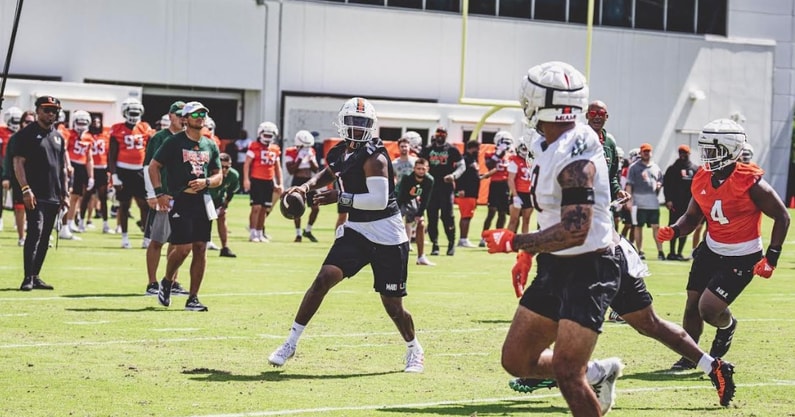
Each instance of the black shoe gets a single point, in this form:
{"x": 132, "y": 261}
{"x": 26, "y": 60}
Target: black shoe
{"x": 672, "y": 257}
{"x": 683, "y": 364}
{"x": 722, "y": 377}
{"x": 435, "y": 250}
{"x": 225, "y": 252}
{"x": 39, "y": 284}
{"x": 27, "y": 284}
{"x": 661, "y": 255}
{"x": 723, "y": 340}
{"x": 642, "y": 255}
{"x": 310, "y": 236}
{"x": 193, "y": 304}
{"x": 529, "y": 385}
{"x": 450, "y": 249}
{"x": 178, "y": 289}
{"x": 152, "y": 288}
{"x": 615, "y": 318}
{"x": 680, "y": 257}
{"x": 297, "y": 239}
{"x": 164, "y": 293}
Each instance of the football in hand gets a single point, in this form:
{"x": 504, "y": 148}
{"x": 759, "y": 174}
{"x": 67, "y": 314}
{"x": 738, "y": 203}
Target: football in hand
{"x": 292, "y": 205}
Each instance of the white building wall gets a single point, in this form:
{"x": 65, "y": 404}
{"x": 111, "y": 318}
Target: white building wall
{"x": 645, "y": 77}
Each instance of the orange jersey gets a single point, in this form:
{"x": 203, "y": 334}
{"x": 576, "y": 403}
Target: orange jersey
{"x": 78, "y": 147}
{"x": 518, "y": 165}
{"x": 734, "y": 222}
{"x": 263, "y": 160}
{"x": 302, "y": 156}
{"x": 132, "y": 144}
{"x": 502, "y": 168}
{"x": 100, "y": 144}
{"x": 5, "y": 135}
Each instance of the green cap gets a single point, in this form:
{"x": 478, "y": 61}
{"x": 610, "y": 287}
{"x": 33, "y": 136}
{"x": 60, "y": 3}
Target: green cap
{"x": 176, "y": 107}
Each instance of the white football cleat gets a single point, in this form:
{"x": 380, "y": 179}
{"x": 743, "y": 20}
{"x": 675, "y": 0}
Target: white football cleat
{"x": 282, "y": 354}
{"x": 415, "y": 361}
{"x": 605, "y": 389}
{"x": 423, "y": 260}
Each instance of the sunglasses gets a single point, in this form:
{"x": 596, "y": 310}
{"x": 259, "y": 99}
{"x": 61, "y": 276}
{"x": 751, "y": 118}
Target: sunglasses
{"x": 226, "y": 166}
{"x": 198, "y": 114}
{"x": 50, "y": 110}
{"x": 26, "y": 122}
{"x": 595, "y": 113}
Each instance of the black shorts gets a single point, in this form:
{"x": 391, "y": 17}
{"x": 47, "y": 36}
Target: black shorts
{"x": 352, "y": 251}
{"x": 526, "y": 202}
{"x": 576, "y": 288}
{"x": 261, "y": 193}
{"x": 625, "y": 215}
{"x": 724, "y": 276}
{"x": 79, "y": 178}
{"x": 100, "y": 177}
{"x": 410, "y": 210}
{"x": 632, "y": 293}
{"x": 188, "y": 220}
{"x": 310, "y": 196}
{"x": 647, "y": 217}
{"x": 499, "y": 195}
{"x": 132, "y": 184}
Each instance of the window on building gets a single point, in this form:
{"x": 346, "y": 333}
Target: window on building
{"x": 578, "y": 11}
{"x": 485, "y": 137}
{"x": 515, "y": 8}
{"x": 443, "y": 5}
{"x": 712, "y": 17}
{"x": 370, "y": 2}
{"x": 409, "y": 4}
{"x": 484, "y": 7}
{"x": 550, "y": 10}
{"x": 390, "y": 133}
{"x": 617, "y": 13}
{"x": 681, "y": 16}
{"x": 650, "y": 14}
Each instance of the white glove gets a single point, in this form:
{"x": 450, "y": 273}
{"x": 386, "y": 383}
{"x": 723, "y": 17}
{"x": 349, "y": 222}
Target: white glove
{"x": 90, "y": 185}
{"x": 116, "y": 180}
{"x": 517, "y": 201}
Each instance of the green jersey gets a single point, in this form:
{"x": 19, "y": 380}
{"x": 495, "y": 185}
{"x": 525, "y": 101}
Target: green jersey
{"x": 185, "y": 159}
{"x": 613, "y": 164}
{"x": 154, "y": 144}
{"x": 227, "y": 189}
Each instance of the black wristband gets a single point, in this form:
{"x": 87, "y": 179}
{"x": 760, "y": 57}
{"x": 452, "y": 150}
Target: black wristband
{"x": 772, "y": 255}
{"x": 346, "y": 200}
{"x": 159, "y": 191}
{"x": 676, "y": 230}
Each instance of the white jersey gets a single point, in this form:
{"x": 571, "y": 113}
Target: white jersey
{"x": 579, "y": 143}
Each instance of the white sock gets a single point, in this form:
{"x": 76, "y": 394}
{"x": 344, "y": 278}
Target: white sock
{"x": 104, "y": 223}
{"x": 252, "y": 233}
{"x": 124, "y": 236}
{"x": 298, "y": 231}
{"x": 594, "y": 373}
{"x": 728, "y": 325}
{"x": 308, "y": 228}
{"x": 295, "y": 334}
{"x": 414, "y": 345}
{"x": 705, "y": 363}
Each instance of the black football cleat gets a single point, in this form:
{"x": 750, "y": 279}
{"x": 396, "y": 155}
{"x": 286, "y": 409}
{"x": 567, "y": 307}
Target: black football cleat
{"x": 723, "y": 340}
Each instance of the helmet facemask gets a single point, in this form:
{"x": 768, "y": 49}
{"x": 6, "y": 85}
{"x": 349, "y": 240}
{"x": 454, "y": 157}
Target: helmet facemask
{"x": 721, "y": 144}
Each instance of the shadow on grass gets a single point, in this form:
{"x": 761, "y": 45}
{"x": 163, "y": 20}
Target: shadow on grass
{"x": 217, "y": 375}
{"x": 666, "y": 375}
{"x": 508, "y": 321}
{"x": 118, "y": 310}
{"x": 501, "y": 408}
{"x": 102, "y": 295}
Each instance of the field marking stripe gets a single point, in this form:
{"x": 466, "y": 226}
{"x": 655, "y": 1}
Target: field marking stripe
{"x": 468, "y": 401}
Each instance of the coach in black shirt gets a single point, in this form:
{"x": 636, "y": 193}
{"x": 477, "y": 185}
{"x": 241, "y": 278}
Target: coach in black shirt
{"x": 40, "y": 167}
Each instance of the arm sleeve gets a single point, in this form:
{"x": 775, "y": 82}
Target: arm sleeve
{"x": 376, "y": 198}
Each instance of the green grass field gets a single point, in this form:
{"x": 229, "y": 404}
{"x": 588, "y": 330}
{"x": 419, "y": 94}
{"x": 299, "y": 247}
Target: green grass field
{"x": 97, "y": 347}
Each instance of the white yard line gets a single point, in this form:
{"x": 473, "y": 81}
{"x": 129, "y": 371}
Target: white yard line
{"x": 469, "y": 401}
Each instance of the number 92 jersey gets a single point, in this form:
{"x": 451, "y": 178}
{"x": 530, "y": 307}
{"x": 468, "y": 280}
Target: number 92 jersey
{"x": 579, "y": 143}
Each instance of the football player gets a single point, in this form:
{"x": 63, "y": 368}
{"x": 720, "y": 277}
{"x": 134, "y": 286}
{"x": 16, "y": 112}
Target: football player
{"x": 519, "y": 182}
{"x": 100, "y": 143}
{"x": 79, "y": 148}
{"x": 499, "y": 191}
{"x": 12, "y": 118}
{"x": 301, "y": 162}
{"x": 125, "y": 162}
{"x": 262, "y": 178}
{"x": 373, "y": 234}
{"x": 732, "y": 196}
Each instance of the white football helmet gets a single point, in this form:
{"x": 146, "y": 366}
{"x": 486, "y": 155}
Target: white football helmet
{"x": 721, "y": 143}
{"x": 634, "y": 155}
{"x": 304, "y": 139}
{"x": 523, "y": 147}
{"x": 415, "y": 141}
{"x": 267, "y": 132}
{"x": 620, "y": 153}
{"x": 13, "y": 118}
{"x": 165, "y": 121}
{"x": 209, "y": 123}
{"x": 553, "y": 92}
{"x": 748, "y": 153}
{"x": 132, "y": 110}
{"x": 357, "y": 115}
{"x": 504, "y": 139}
{"x": 81, "y": 119}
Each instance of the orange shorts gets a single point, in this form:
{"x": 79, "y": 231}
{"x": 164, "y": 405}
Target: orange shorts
{"x": 466, "y": 206}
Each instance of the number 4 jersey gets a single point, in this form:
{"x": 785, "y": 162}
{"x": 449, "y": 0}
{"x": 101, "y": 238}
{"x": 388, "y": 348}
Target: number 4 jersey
{"x": 734, "y": 222}
{"x": 132, "y": 144}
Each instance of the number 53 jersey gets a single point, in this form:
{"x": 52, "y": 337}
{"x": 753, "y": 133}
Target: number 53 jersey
{"x": 734, "y": 222}
{"x": 579, "y": 143}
